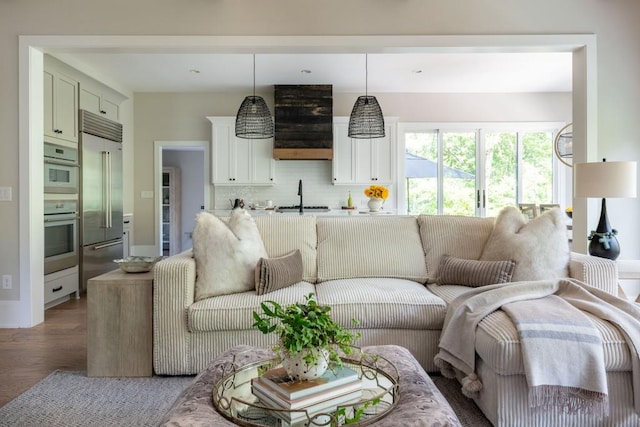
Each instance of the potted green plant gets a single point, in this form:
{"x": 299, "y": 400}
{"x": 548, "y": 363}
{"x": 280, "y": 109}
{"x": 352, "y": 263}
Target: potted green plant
{"x": 309, "y": 339}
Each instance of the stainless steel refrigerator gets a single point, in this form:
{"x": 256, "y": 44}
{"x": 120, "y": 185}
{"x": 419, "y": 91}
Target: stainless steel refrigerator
{"x": 101, "y": 233}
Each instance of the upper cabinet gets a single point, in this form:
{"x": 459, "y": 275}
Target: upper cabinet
{"x": 66, "y": 90}
{"x": 363, "y": 161}
{"x": 100, "y": 100}
{"x": 238, "y": 161}
{"x": 60, "y": 106}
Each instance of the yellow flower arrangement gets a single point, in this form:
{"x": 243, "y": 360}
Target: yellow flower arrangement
{"x": 377, "y": 191}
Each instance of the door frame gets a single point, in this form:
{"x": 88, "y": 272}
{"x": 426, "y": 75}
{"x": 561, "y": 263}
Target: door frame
{"x": 160, "y": 145}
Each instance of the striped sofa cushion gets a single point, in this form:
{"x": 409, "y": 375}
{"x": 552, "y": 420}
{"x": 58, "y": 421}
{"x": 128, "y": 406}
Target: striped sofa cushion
{"x": 458, "y": 236}
{"x": 277, "y": 273}
{"x": 382, "y": 303}
{"x": 235, "y": 312}
{"x": 468, "y": 272}
{"x": 283, "y": 234}
{"x": 370, "y": 247}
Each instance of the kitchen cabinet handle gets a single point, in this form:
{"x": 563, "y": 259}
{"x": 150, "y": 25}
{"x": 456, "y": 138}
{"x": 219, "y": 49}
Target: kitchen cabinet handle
{"x": 103, "y": 112}
{"x": 59, "y": 288}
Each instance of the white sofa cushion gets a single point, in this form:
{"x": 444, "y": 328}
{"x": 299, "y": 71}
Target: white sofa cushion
{"x": 382, "y": 303}
{"x": 540, "y": 247}
{"x": 457, "y": 236}
{"x": 282, "y": 234}
{"x": 226, "y": 253}
{"x": 370, "y": 247}
{"x": 235, "y": 312}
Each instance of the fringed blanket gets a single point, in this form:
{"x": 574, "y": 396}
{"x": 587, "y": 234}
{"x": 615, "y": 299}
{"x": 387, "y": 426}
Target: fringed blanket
{"x": 457, "y": 342}
{"x": 551, "y": 333}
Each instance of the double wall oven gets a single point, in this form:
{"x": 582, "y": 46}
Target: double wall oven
{"x": 61, "y": 208}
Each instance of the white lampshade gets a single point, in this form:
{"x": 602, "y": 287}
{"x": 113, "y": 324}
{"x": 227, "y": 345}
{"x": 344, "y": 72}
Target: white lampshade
{"x": 604, "y": 179}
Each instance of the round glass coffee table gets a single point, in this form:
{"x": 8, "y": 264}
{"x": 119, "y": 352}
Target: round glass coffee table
{"x": 234, "y": 399}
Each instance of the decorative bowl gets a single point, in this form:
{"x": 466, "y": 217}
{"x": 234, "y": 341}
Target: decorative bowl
{"x": 137, "y": 264}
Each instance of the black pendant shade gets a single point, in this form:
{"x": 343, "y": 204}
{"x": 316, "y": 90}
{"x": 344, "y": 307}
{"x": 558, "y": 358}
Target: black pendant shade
{"x": 253, "y": 120}
{"x": 366, "y": 120}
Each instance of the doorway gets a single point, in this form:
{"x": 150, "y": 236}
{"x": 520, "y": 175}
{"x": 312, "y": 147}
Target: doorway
{"x": 183, "y": 189}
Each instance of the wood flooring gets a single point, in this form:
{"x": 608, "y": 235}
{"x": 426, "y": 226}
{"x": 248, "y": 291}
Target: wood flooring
{"x": 28, "y": 355}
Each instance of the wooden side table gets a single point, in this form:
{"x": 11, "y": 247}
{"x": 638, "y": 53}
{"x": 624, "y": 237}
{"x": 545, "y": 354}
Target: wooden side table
{"x": 119, "y": 329}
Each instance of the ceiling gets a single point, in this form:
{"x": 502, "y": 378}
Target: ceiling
{"x": 387, "y": 72}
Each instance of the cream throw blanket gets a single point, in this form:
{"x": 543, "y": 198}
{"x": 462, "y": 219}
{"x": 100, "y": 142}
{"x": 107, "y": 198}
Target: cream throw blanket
{"x": 457, "y": 342}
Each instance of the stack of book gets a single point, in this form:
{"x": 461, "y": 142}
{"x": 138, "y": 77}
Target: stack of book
{"x": 299, "y": 399}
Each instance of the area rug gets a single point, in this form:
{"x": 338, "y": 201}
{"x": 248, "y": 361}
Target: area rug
{"x": 466, "y": 410}
{"x": 71, "y": 399}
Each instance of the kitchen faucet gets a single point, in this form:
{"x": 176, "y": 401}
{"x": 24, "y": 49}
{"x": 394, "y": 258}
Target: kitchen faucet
{"x": 300, "y": 194}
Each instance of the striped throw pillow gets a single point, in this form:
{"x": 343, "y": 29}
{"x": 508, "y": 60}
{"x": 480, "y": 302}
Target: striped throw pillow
{"x": 468, "y": 272}
{"x": 277, "y": 273}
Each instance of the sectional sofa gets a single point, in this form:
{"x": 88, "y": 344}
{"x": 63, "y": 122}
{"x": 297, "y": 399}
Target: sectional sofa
{"x": 383, "y": 271}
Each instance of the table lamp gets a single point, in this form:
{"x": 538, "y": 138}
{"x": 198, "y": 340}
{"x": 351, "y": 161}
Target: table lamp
{"x": 604, "y": 179}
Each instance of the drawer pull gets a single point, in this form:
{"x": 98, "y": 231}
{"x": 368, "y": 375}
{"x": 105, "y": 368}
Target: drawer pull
{"x": 59, "y": 288}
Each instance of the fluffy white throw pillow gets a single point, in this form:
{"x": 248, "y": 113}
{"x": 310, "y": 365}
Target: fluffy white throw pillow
{"x": 226, "y": 253}
{"x": 539, "y": 247}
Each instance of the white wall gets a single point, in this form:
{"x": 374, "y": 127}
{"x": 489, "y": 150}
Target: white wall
{"x": 613, "y": 22}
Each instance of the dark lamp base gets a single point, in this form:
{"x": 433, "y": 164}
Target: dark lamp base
{"x": 604, "y": 243}
{"x": 597, "y": 248}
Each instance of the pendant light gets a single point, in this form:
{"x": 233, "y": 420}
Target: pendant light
{"x": 254, "y": 120}
{"x": 366, "y": 120}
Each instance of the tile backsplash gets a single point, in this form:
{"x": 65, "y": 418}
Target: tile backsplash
{"x": 317, "y": 188}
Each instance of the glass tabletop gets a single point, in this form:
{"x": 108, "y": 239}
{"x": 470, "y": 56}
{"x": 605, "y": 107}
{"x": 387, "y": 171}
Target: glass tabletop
{"x": 234, "y": 399}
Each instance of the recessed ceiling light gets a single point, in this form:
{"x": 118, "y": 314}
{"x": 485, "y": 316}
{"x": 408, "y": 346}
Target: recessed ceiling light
{"x": 194, "y": 71}
{"x": 305, "y": 71}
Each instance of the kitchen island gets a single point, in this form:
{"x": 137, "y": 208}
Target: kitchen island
{"x": 330, "y": 212}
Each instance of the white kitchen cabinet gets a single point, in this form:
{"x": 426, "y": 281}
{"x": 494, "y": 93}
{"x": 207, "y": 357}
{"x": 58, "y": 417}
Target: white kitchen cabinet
{"x": 238, "y": 161}
{"x": 59, "y": 286}
{"x": 60, "y": 106}
{"x": 343, "y": 163}
{"x": 100, "y": 100}
{"x": 363, "y": 161}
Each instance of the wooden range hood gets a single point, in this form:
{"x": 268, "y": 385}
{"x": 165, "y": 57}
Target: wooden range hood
{"x": 303, "y": 122}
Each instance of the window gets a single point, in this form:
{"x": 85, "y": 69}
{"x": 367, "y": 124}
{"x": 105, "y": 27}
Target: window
{"x": 475, "y": 170}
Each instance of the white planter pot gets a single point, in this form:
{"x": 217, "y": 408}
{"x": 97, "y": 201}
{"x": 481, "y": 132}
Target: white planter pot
{"x": 299, "y": 370}
{"x": 375, "y": 204}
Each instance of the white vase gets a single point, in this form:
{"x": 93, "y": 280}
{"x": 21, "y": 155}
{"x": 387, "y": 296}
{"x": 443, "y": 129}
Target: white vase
{"x": 375, "y": 204}
{"x": 300, "y": 370}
